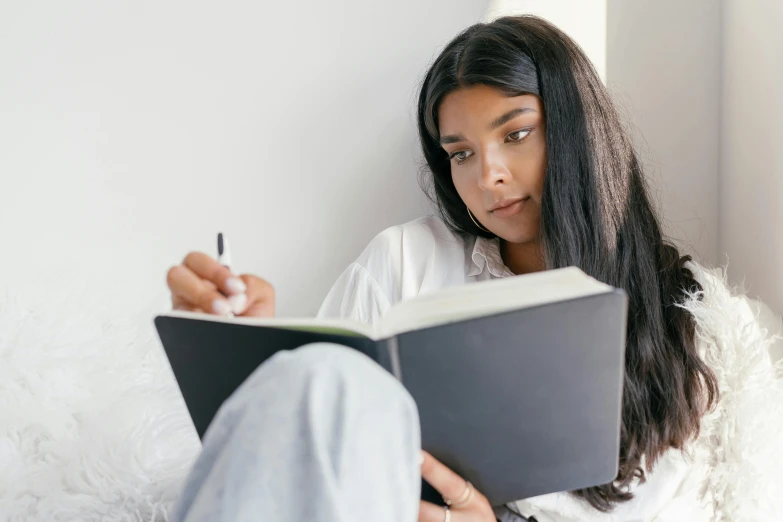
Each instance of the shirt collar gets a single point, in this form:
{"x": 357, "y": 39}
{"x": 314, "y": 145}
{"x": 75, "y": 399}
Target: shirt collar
{"x": 486, "y": 254}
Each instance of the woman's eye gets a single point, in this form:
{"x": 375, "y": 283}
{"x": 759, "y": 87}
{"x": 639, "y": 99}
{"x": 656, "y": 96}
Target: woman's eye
{"x": 519, "y": 135}
{"x": 460, "y": 156}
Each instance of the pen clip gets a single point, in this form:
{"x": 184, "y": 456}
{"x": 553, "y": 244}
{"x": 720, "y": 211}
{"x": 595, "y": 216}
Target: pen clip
{"x": 224, "y": 253}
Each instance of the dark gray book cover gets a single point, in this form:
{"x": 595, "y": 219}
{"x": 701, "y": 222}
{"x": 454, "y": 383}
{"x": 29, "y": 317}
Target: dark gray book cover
{"x": 521, "y": 403}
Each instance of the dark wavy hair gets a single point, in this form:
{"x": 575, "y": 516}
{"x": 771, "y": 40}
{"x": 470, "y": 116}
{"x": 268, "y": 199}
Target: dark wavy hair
{"x": 596, "y": 214}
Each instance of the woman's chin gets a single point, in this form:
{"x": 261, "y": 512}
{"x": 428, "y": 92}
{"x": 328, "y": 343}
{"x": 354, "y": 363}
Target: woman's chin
{"x": 517, "y": 237}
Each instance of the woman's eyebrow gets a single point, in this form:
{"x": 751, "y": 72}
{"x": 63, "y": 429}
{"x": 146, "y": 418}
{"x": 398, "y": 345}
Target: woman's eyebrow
{"x": 497, "y": 122}
{"x": 510, "y": 115}
{"x": 453, "y": 138}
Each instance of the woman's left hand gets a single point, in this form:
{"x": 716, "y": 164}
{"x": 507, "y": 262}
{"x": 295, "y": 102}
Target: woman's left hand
{"x": 468, "y": 505}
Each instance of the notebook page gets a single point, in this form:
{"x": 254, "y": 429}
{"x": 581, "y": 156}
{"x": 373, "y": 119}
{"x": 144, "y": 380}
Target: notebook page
{"x": 488, "y": 298}
{"x": 326, "y": 326}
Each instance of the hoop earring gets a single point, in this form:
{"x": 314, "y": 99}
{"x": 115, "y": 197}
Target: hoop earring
{"x": 476, "y": 222}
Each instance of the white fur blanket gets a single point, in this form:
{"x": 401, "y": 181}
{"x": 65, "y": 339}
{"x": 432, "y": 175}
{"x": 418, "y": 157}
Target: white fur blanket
{"x": 741, "y": 440}
{"x": 92, "y": 425}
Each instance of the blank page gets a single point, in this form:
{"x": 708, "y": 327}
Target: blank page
{"x": 488, "y": 298}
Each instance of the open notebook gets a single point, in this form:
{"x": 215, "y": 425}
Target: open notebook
{"x": 518, "y": 381}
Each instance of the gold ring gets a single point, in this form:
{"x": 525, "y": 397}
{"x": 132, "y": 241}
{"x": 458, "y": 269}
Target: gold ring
{"x": 448, "y": 514}
{"x": 464, "y": 499}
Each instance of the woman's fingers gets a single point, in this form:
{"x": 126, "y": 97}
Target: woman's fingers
{"x": 201, "y": 284}
{"x": 429, "y": 512}
{"x": 446, "y": 482}
{"x": 260, "y": 297}
{"x": 209, "y": 269}
{"x": 190, "y": 292}
{"x": 178, "y": 303}
{"x": 468, "y": 504}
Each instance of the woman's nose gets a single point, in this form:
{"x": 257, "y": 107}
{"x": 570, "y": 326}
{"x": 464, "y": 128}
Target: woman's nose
{"x": 493, "y": 172}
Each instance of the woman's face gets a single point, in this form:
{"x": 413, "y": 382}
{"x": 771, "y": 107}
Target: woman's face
{"x": 497, "y": 150}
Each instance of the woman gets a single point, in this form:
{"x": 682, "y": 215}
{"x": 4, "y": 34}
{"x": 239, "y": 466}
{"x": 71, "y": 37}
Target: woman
{"x": 531, "y": 169}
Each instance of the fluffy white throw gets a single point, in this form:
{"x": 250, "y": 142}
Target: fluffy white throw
{"x": 742, "y": 439}
{"x": 93, "y": 427}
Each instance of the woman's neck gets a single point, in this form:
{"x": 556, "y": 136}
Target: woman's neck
{"x": 522, "y": 258}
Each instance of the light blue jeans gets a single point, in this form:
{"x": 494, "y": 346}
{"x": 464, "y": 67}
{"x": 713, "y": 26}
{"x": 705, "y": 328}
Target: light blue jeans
{"x": 318, "y": 434}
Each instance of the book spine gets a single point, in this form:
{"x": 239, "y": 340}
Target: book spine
{"x": 389, "y": 356}
{"x": 394, "y": 357}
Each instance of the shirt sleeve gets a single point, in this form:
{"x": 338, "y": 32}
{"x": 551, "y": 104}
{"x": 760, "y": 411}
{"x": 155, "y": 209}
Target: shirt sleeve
{"x": 356, "y": 295}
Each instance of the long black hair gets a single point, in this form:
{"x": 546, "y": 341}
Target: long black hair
{"x": 596, "y": 214}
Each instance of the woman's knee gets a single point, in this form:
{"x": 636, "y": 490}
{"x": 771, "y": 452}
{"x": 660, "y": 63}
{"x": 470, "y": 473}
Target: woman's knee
{"x": 338, "y": 358}
{"x": 330, "y": 365}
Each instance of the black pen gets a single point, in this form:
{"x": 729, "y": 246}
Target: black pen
{"x": 224, "y": 256}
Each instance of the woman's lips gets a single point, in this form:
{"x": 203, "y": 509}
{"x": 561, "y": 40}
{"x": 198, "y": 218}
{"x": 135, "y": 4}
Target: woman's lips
{"x": 508, "y": 207}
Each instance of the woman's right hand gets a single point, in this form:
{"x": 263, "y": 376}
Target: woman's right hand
{"x": 201, "y": 284}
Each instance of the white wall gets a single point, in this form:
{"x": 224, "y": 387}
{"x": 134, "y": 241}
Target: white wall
{"x": 134, "y": 131}
{"x": 751, "y": 188}
{"x": 582, "y": 20}
{"x": 131, "y": 132}
{"x": 663, "y": 68}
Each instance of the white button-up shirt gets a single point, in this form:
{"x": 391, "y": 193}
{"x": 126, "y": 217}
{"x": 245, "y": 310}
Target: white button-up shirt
{"x": 408, "y": 260}
{"x": 424, "y": 256}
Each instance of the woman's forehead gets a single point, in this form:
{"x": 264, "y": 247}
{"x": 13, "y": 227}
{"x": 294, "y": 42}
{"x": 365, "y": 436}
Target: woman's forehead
{"x": 482, "y": 104}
